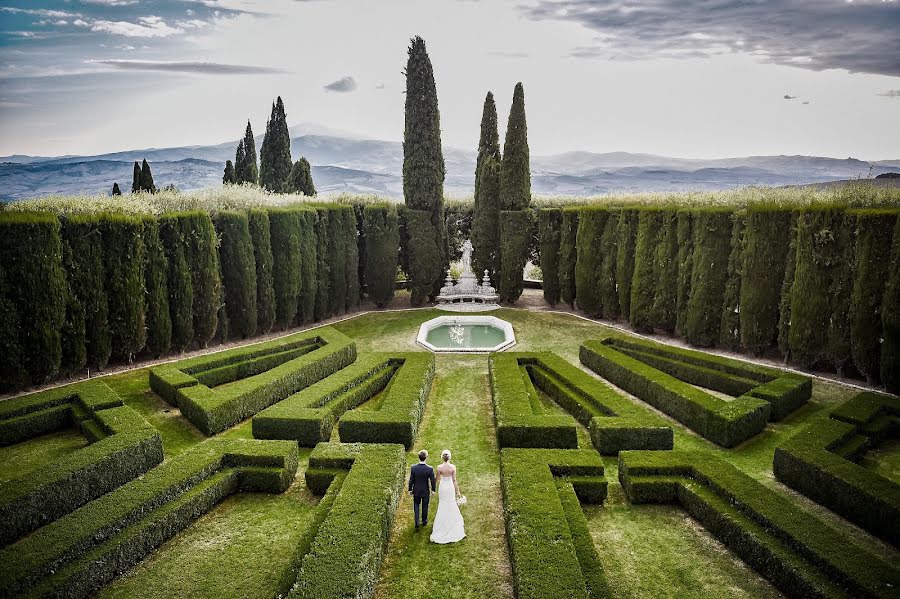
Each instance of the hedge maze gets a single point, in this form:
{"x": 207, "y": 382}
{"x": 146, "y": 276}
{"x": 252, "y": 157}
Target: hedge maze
{"x": 665, "y": 377}
{"x": 820, "y": 462}
{"x": 222, "y": 389}
{"x": 122, "y": 447}
{"x": 799, "y": 553}
{"x": 309, "y": 416}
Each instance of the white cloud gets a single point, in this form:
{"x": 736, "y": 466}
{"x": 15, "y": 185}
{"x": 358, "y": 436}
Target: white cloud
{"x": 111, "y": 2}
{"x": 151, "y": 26}
{"x": 39, "y": 12}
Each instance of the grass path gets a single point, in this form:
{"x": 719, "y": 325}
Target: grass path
{"x": 33, "y": 454}
{"x": 458, "y": 417}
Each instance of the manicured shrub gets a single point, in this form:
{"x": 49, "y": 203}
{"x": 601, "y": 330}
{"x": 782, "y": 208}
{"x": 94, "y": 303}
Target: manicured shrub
{"x": 12, "y": 371}
{"x": 798, "y": 552}
{"x": 424, "y": 255}
{"x": 338, "y": 254}
{"x": 180, "y": 283}
{"x": 840, "y": 291}
{"x": 323, "y": 265}
{"x": 726, "y": 423}
{"x": 766, "y": 242}
{"x": 810, "y": 312}
{"x": 238, "y": 268}
{"x": 351, "y": 272}
{"x": 122, "y": 447}
{"x": 382, "y": 244}
{"x": 123, "y": 255}
{"x": 284, "y": 224}
{"x": 515, "y": 236}
{"x": 156, "y": 269}
{"x": 543, "y": 511}
{"x": 589, "y": 256}
{"x": 486, "y": 221}
{"x": 685, "y": 267}
{"x": 712, "y": 245}
{"x": 550, "y": 224}
{"x": 665, "y": 293}
{"x": 643, "y": 282}
{"x": 77, "y": 554}
{"x": 31, "y": 253}
{"x": 568, "y": 255}
{"x": 204, "y": 261}
{"x": 261, "y": 235}
{"x": 361, "y": 244}
{"x": 890, "y": 320}
{"x": 309, "y": 265}
{"x": 628, "y": 223}
{"x": 873, "y": 248}
{"x": 787, "y": 283}
{"x": 731, "y": 302}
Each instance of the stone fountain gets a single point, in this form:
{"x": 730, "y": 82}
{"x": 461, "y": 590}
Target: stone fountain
{"x": 466, "y": 295}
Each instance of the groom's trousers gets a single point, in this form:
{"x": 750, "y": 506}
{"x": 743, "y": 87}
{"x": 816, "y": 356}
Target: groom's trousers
{"x": 423, "y": 500}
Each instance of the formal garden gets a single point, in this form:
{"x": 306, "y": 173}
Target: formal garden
{"x": 219, "y": 394}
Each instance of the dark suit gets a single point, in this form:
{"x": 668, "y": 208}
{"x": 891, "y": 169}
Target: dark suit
{"x": 421, "y": 477}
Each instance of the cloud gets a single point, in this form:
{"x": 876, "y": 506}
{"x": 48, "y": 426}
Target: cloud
{"x": 39, "y": 12}
{"x": 787, "y": 97}
{"x": 379, "y": 86}
{"x": 827, "y": 34}
{"x": 151, "y": 26}
{"x": 200, "y": 68}
{"x": 111, "y": 2}
{"x": 342, "y": 85}
{"x": 891, "y": 93}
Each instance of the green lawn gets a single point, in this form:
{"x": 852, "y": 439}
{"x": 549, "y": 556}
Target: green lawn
{"x": 244, "y": 546}
{"x": 30, "y": 455}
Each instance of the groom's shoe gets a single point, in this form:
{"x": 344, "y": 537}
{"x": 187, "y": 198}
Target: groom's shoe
{"x": 417, "y": 527}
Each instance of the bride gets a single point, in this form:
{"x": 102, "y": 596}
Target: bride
{"x": 448, "y": 523}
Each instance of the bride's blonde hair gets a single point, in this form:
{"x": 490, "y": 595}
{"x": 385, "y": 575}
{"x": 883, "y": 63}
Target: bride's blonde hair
{"x": 445, "y": 455}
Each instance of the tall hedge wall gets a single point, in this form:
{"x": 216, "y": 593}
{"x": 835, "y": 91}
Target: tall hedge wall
{"x": 321, "y": 308}
{"x": 665, "y": 293}
{"x": 180, "y": 283}
{"x": 568, "y": 255}
{"x": 284, "y": 224}
{"x": 123, "y": 255}
{"x": 338, "y": 251}
{"x": 643, "y": 281}
{"x": 349, "y": 235}
{"x": 549, "y": 225}
{"x": 685, "y": 266}
{"x": 712, "y": 246}
{"x": 309, "y": 266}
{"x": 261, "y": 236}
{"x": 838, "y": 350}
{"x": 515, "y": 238}
{"x": 890, "y": 319}
{"x": 156, "y": 273}
{"x": 238, "y": 267}
{"x": 204, "y": 261}
{"x": 12, "y": 370}
{"x": 627, "y": 238}
{"x": 591, "y": 224}
{"x": 382, "y": 244}
{"x": 424, "y": 255}
{"x": 787, "y": 283}
{"x": 731, "y": 303}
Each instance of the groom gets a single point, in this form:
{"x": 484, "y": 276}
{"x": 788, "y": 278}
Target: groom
{"x": 421, "y": 475}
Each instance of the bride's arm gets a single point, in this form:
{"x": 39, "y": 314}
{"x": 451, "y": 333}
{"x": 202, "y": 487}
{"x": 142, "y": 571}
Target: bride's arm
{"x": 455, "y": 486}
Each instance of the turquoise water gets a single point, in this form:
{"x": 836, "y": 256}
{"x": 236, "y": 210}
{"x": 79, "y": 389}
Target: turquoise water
{"x": 475, "y": 336}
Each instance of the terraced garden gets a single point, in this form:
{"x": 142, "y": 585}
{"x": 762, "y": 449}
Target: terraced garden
{"x": 596, "y": 463}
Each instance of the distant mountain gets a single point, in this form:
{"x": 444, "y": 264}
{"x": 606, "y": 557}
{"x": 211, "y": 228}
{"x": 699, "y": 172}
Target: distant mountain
{"x": 345, "y": 162}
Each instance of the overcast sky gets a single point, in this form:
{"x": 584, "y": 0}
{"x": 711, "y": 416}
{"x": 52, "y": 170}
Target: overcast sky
{"x": 686, "y": 78}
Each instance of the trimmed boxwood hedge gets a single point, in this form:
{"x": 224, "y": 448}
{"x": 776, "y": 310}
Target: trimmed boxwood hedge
{"x": 76, "y": 555}
{"x": 238, "y": 272}
{"x": 568, "y": 255}
{"x": 345, "y": 556}
{"x": 382, "y": 246}
{"x": 802, "y": 555}
{"x": 819, "y": 462}
{"x": 766, "y": 242}
{"x": 712, "y": 246}
{"x": 786, "y": 391}
{"x": 261, "y": 236}
{"x": 515, "y": 238}
{"x": 31, "y": 253}
{"x": 122, "y": 447}
{"x": 550, "y": 232}
{"x": 726, "y": 423}
{"x": 550, "y": 546}
{"x": 156, "y": 273}
{"x": 267, "y": 381}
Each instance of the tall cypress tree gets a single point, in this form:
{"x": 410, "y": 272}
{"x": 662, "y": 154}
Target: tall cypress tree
{"x": 423, "y": 173}
{"x": 486, "y": 221}
{"x": 136, "y": 178}
{"x": 275, "y": 153}
{"x": 249, "y": 172}
{"x": 228, "y": 177}
{"x": 147, "y": 178}
{"x": 115, "y": 190}
{"x": 240, "y": 163}
{"x": 300, "y": 179}
{"x": 515, "y": 197}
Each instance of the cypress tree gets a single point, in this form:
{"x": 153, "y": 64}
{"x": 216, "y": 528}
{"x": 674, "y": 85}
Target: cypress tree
{"x": 275, "y": 153}
{"x": 238, "y": 268}
{"x": 591, "y": 222}
{"x": 515, "y": 195}
{"x": 262, "y": 253}
{"x": 323, "y": 265}
{"x": 338, "y": 257}
{"x": 712, "y": 246}
{"x": 147, "y": 178}
{"x": 382, "y": 242}
{"x": 423, "y": 175}
{"x": 787, "y": 283}
{"x": 568, "y": 255}
{"x": 228, "y": 177}
{"x": 159, "y": 321}
{"x": 115, "y": 190}
{"x": 136, "y": 178}
{"x": 352, "y": 272}
{"x": 179, "y": 281}
{"x": 731, "y": 302}
{"x": 840, "y": 292}
{"x": 300, "y": 180}
{"x": 285, "y": 227}
{"x": 309, "y": 265}
{"x": 685, "y": 266}
{"x": 489, "y": 140}
{"x": 72, "y": 333}
{"x": 550, "y": 229}
{"x": 627, "y": 238}
{"x": 204, "y": 264}
{"x": 240, "y": 163}
{"x": 12, "y": 370}
{"x": 486, "y": 221}
{"x": 515, "y": 237}
{"x": 665, "y": 292}
{"x": 249, "y": 171}
{"x": 643, "y": 285}
{"x": 890, "y": 319}
{"x": 123, "y": 256}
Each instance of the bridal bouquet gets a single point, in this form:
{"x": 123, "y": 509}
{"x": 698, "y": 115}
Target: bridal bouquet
{"x": 461, "y": 500}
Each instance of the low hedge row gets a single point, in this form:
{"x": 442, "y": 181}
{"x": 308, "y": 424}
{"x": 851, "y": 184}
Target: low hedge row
{"x": 615, "y": 423}
{"x": 786, "y": 391}
{"x": 77, "y": 554}
{"x": 819, "y": 462}
{"x": 802, "y": 555}
{"x": 345, "y": 555}
{"x": 214, "y": 410}
{"x": 122, "y": 447}
{"x": 726, "y": 423}
{"x": 551, "y": 550}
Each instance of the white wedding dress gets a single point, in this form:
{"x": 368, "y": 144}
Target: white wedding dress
{"x": 448, "y": 523}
